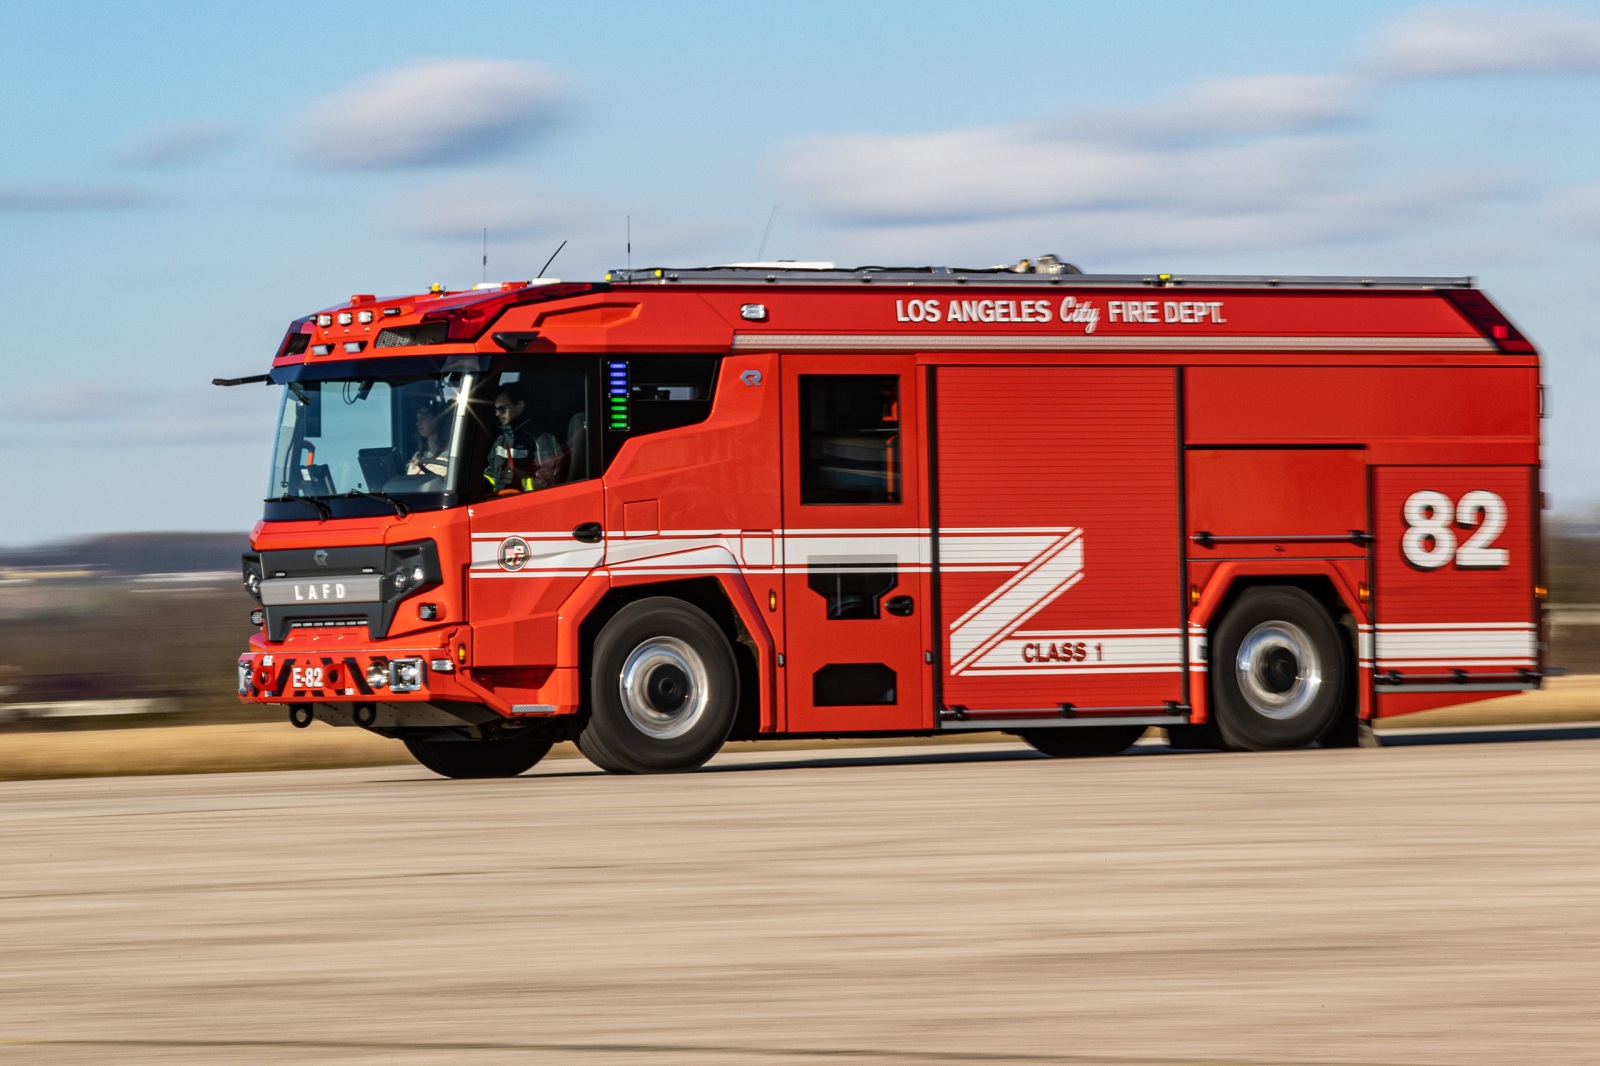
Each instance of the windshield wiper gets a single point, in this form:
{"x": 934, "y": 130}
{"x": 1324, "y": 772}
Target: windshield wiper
{"x": 400, "y": 509}
{"x": 323, "y": 512}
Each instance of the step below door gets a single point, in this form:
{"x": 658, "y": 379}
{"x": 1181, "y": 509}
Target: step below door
{"x": 1058, "y": 542}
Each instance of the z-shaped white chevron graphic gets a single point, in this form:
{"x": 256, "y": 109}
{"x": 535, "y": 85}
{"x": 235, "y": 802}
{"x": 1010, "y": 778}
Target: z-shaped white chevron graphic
{"x": 1008, "y": 608}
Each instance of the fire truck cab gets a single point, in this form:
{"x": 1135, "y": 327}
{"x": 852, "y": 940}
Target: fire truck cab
{"x": 677, "y": 506}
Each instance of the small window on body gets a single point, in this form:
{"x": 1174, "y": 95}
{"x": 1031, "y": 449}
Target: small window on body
{"x": 850, "y": 438}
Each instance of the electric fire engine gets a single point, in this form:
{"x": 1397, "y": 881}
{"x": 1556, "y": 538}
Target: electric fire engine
{"x": 675, "y": 507}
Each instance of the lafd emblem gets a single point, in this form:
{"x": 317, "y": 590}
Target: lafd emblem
{"x": 513, "y": 553}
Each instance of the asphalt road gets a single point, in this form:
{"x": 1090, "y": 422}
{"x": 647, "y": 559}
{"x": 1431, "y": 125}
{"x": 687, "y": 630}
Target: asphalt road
{"x": 1435, "y": 901}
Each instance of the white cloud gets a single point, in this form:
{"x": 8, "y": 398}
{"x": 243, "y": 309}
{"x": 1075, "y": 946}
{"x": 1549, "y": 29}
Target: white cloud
{"x": 1576, "y": 212}
{"x": 82, "y": 401}
{"x": 1231, "y": 165}
{"x": 1219, "y": 145}
{"x": 128, "y": 414}
{"x": 1007, "y": 171}
{"x": 466, "y": 209}
{"x": 431, "y": 113}
{"x": 1094, "y": 237}
{"x": 172, "y": 143}
{"x": 1237, "y": 106}
{"x": 1455, "y": 41}
{"x": 68, "y": 196}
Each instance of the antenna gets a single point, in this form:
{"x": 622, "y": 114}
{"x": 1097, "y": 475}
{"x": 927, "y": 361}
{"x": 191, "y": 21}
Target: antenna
{"x": 486, "y": 254}
{"x": 552, "y": 259}
{"x": 770, "y": 220}
{"x": 630, "y": 242}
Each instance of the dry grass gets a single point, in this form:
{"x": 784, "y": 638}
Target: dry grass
{"x": 276, "y": 746}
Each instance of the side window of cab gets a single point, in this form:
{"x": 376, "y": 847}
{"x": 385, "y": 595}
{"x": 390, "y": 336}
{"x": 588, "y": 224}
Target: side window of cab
{"x": 643, "y": 394}
{"x": 536, "y": 418}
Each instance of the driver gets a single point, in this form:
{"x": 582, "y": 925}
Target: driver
{"x": 522, "y": 459}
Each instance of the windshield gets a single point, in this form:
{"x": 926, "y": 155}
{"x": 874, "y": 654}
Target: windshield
{"x": 393, "y": 436}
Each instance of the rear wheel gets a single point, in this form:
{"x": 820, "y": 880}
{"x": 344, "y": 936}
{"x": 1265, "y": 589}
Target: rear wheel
{"x": 1077, "y": 742}
{"x": 663, "y": 692}
{"x": 501, "y": 757}
{"x": 1277, "y": 671}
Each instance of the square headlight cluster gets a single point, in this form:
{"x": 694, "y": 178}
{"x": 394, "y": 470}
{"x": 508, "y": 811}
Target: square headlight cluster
{"x": 407, "y": 675}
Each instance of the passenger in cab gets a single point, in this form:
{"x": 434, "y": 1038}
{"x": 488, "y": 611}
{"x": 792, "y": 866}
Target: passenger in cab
{"x": 432, "y": 454}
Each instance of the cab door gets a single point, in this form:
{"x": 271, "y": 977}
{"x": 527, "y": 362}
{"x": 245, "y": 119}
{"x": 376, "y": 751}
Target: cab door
{"x": 855, "y": 546}
{"x": 531, "y": 549}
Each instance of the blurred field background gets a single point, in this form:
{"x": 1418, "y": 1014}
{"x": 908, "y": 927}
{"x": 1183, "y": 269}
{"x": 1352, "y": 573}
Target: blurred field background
{"x": 117, "y": 656}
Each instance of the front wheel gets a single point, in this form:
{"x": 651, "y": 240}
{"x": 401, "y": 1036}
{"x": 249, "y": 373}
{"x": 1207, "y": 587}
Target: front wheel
{"x": 663, "y": 692}
{"x": 1079, "y": 742}
{"x": 1277, "y": 671}
{"x": 501, "y": 757}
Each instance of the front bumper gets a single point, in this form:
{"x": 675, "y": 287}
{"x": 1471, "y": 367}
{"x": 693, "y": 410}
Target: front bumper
{"x": 308, "y": 677}
{"x": 403, "y": 676}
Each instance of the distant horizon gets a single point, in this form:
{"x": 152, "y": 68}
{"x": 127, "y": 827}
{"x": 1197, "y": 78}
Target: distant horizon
{"x": 1553, "y": 520}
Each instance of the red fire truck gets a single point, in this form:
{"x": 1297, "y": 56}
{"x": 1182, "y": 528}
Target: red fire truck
{"x": 676, "y": 507}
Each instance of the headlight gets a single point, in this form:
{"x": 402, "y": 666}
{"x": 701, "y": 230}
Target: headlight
{"x": 378, "y": 674}
{"x": 407, "y": 578}
{"x": 252, "y": 575}
{"x": 244, "y": 677}
{"x": 405, "y": 675}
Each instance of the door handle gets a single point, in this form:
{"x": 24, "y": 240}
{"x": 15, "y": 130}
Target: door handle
{"x": 589, "y": 533}
{"x": 900, "y": 605}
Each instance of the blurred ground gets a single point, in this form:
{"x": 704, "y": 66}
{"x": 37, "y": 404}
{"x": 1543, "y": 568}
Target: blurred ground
{"x": 155, "y": 622}
{"x": 1433, "y": 902}
{"x": 162, "y": 617}
{"x": 279, "y": 746}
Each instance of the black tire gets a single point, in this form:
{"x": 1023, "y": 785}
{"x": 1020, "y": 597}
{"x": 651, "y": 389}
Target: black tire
{"x": 502, "y": 757}
{"x": 1194, "y": 737}
{"x": 1278, "y": 667}
{"x": 663, "y": 691}
{"x": 1081, "y": 742}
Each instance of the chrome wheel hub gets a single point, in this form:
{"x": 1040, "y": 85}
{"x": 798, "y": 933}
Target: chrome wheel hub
{"x": 664, "y": 687}
{"x": 1278, "y": 670}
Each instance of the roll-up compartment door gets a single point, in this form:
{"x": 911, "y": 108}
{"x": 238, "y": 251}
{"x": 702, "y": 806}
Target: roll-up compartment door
{"x": 1060, "y": 578}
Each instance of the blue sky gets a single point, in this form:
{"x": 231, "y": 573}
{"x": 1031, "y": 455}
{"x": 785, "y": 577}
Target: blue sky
{"x": 180, "y": 180}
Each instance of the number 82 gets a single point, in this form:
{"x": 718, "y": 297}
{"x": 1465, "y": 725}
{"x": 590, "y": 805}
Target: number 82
{"x": 1430, "y": 539}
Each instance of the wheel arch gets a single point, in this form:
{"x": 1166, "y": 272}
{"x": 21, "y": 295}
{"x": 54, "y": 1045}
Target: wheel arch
{"x": 734, "y": 615}
{"x": 1324, "y": 583}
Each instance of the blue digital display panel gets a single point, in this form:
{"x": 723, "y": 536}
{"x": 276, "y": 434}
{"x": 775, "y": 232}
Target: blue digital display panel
{"x": 617, "y": 396}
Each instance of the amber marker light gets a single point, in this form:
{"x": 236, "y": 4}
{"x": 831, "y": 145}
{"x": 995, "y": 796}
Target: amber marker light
{"x": 1364, "y": 593}
{"x": 461, "y": 653}
{"x": 772, "y": 600}
{"x": 1541, "y": 593}
{"x": 1194, "y": 595}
